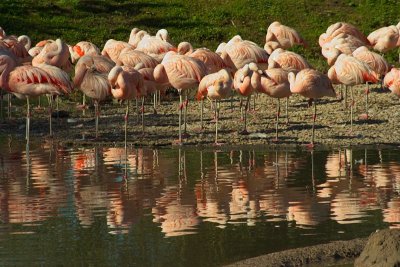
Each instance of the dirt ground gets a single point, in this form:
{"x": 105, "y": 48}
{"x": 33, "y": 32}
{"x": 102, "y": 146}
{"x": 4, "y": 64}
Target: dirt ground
{"x": 161, "y": 129}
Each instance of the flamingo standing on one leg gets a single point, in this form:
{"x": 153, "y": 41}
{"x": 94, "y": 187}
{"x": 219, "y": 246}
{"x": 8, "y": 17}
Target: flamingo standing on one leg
{"x": 29, "y": 81}
{"x": 183, "y": 73}
{"x": 125, "y": 84}
{"x": 246, "y": 81}
{"x": 350, "y": 71}
{"x": 376, "y": 62}
{"x": 275, "y": 83}
{"x": 311, "y": 84}
{"x": 91, "y": 76}
{"x": 282, "y": 36}
{"x": 216, "y": 86}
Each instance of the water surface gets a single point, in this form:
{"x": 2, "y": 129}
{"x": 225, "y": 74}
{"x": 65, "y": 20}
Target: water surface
{"x": 186, "y": 207}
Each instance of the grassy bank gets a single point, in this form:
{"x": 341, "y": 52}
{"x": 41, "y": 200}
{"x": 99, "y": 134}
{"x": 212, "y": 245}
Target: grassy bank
{"x": 203, "y": 23}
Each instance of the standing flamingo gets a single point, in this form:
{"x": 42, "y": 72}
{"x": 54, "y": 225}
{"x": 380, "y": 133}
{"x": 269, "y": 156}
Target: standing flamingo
{"x": 55, "y": 54}
{"x": 339, "y": 28}
{"x": 350, "y": 71}
{"x": 83, "y": 48}
{"x": 215, "y": 86}
{"x": 112, "y": 48}
{"x": 155, "y": 46}
{"x": 183, "y": 73}
{"x": 311, "y": 84}
{"x": 341, "y": 44}
{"x": 125, "y": 83}
{"x": 91, "y": 76}
{"x": 376, "y": 62}
{"x": 275, "y": 83}
{"x": 245, "y": 83}
{"x": 29, "y": 81}
{"x": 287, "y": 60}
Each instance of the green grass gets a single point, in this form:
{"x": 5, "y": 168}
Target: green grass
{"x": 203, "y": 23}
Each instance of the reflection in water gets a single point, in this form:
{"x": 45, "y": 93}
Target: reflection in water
{"x": 182, "y": 191}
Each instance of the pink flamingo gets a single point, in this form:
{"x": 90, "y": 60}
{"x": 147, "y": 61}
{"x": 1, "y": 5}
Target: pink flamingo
{"x": 275, "y": 83}
{"x": 183, "y": 73}
{"x": 376, "y": 62}
{"x": 55, "y": 54}
{"x": 385, "y": 38}
{"x": 243, "y": 52}
{"x": 136, "y": 36}
{"x": 151, "y": 86}
{"x": 245, "y": 83}
{"x": 342, "y": 44}
{"x": 130, "y": 57}
{"x": 125, "y": 83}
{"x": 281, "y": 36}
{"x": 311, "y": 84}
{"x": 156, "y": 46}
{"x": 215, "y": 86}
{"x": 112, "y": 49}
{"x": 392, "y": 81}
{"x": 287, "y": 60}
{"x": 91, "y": 76}
{"x": 339, "y": 28}
{"x": 83, "y": 48}
{"x": 29, "y": 81}
{"x": 350, "y": 71}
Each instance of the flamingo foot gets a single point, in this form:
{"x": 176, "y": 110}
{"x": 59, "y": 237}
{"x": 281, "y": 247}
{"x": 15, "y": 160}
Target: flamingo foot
{"x": 177, "y": 142}
{"x": 185, "y": 135}
{"x": 363, "y": 116}
{"x": 217, "y": 144}
{"x": 155, "y": 112}
{"x": 244, "y": 132}
{"x": 81, "y": 107}
{"x": 310, "y": 146}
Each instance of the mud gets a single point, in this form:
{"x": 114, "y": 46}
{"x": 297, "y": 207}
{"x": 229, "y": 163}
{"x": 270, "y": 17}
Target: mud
{"x": 161, "y": 129}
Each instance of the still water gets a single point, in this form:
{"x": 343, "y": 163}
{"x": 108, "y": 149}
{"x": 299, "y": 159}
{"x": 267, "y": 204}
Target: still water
{"x": 186, "y": 207}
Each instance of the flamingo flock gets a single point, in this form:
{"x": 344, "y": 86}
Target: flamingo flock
{"x": 147, "y": 65}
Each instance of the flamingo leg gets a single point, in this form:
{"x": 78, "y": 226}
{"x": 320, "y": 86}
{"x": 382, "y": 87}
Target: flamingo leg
{"x": 231, "y": 102}
{"x": 245, "y": 115}
{"x": 126, "y": 121}
{"x": 216, "y": 121}
{"x": 142, "y": 115}
{"x": 1, "y": 106}
{"x": 57, "y": 106}
{"x": 155, "y": 102}
{"x": 97, "y": 111}
{"x": 278, "y": 111}
{"x": 314, "y": 118}
{"x": 9, "y": 106}
{"x": 84, "y": 105}
{"x": 180, "y": 115}
{"x": 137, "y": 111}
{"x": 50, "y": 99}
{"x": 241, "y": 108}
{"x": 185, "y": 113}
{"x": 28, "y": 116}
{"x": 201, "y": 114}
{"x": 345, "y": 96}
{"x": 366, "y": 101}
{"x": 39, "y": 106}
{"x": 351, "y": 110}
{"x": 287, "y": 111}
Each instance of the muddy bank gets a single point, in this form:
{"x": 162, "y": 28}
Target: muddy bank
{"x": 331, "y": 254}
{"x": 332, "y": 125}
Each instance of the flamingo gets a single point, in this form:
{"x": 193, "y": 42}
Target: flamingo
{"x": 275, "y": 83}
{"x": 245, "y": 83}
{"x": 183, "y": 73}
{"x": 83, "y": 48}
{"x": 29, "y": 81}
{"x": 130, "y": 57}
{"x": 311, "y": 84}
{"x": 151, "y": 86}
{"x": 350, "y": 71}
{"x": 55, "y": 54}
{"x": 125, "y": 83}
{"x": 339, "y": 28}
{"x": 215, "y": 86}
{"x": 385, "y": 38}
{"x": 376, "y": 62}
{"x": 156, "y": 46}
{"x": 135, "y": 36}
{"x": 287, "y": 60}
{"x": 243, "y": 52}
{"x": 281, "y": 36}
{"x": 112, "y": 49}
{"x": 392, "y": 81}
{"x": 91, "y": 76}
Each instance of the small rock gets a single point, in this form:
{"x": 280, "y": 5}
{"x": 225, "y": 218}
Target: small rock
{"x": 257, "y": 135}
{"x": 71, "y": 120}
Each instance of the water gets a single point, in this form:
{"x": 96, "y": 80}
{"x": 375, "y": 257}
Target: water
{"x": 186, "y": 207}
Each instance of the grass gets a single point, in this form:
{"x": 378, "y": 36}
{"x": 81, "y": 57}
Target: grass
{"x": 203, "y": 22}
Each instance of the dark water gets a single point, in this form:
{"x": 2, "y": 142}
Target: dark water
{"x": 172, "y": 207}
